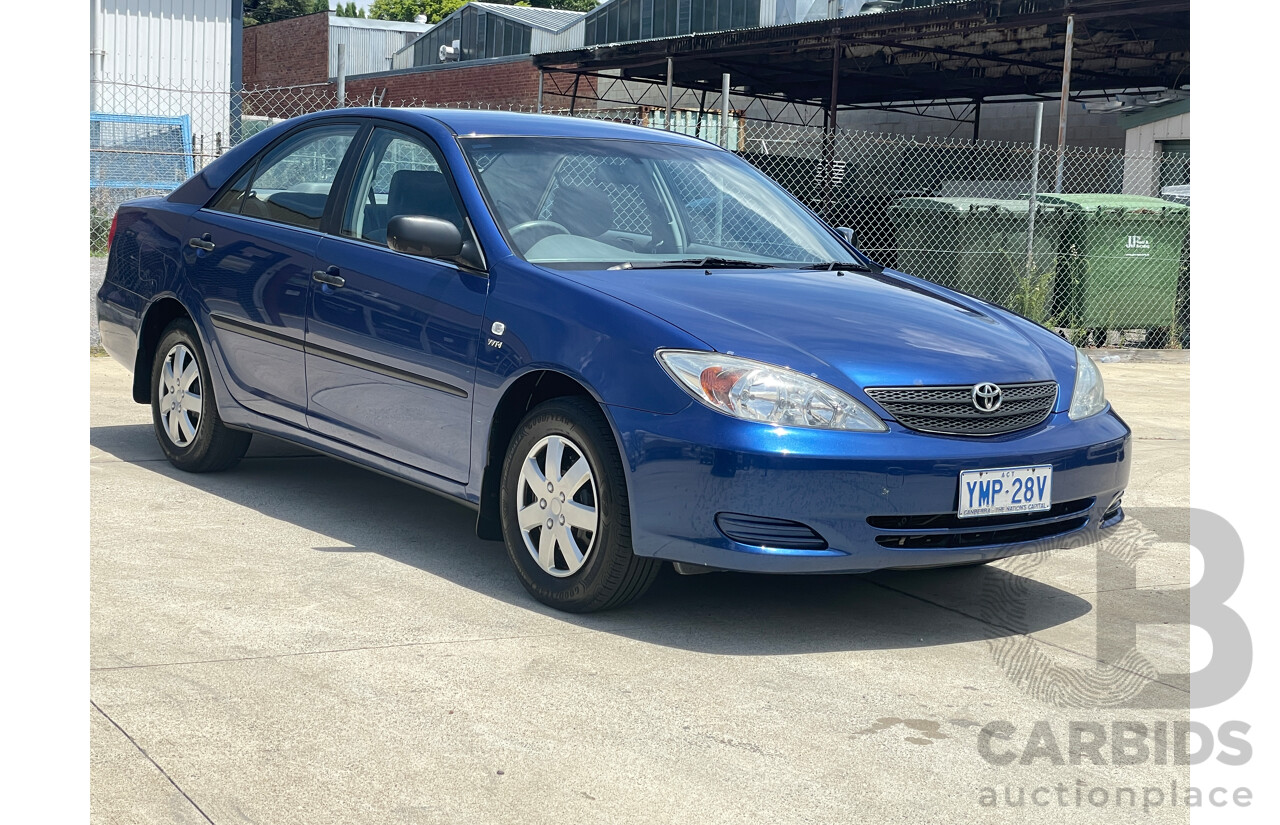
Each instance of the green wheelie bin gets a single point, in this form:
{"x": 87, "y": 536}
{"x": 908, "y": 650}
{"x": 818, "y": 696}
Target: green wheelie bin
{"x": 979, "y": 246}
{"x": 1119, "y": 262}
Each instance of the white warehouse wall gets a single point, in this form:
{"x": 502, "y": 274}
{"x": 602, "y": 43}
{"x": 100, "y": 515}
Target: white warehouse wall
{"x": 168, "y": 58}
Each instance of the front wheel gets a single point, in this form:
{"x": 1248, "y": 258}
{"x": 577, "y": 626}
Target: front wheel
{"x": 565, "y": 517}
{"x": 183, "y": 411}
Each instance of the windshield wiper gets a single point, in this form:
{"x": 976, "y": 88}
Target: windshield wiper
{"x": 852, "y": 266}
{"x": 696, "y": 263}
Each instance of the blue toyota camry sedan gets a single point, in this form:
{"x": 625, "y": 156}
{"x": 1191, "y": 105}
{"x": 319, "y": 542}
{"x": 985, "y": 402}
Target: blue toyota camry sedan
{"x": 619, "y": 346}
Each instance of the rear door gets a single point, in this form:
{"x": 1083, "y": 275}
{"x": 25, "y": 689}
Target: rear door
{"x": 392, "y": 338}
{"x": 251, "y": 255}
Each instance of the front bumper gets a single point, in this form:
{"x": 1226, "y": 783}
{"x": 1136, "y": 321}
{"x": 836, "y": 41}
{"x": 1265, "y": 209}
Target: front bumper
{"x": 877, "y": 500}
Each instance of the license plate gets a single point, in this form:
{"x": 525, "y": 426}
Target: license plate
{"x": 1003, "y": 491}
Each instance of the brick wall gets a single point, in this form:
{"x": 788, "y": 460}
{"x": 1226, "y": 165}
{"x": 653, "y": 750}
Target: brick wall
{"x": 288, "y": 52}
{"x": 499, "y": 84}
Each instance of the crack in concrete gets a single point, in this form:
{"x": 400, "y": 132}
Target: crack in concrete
{"x": 334, "y": 650}
{"x": 143, "y": 751}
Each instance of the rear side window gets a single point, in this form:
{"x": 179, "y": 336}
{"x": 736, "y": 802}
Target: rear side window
{"x": 233, "y": 198}
{"x": 291, "y": 183}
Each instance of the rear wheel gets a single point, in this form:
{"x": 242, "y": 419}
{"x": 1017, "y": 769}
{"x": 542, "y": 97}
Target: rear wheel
{"x": 565, "y": 517}
{"x": 183, "y": 410}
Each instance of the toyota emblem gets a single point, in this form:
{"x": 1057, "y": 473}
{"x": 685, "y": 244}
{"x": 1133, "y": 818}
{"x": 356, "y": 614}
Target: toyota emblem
{"x": 987, "y": 397}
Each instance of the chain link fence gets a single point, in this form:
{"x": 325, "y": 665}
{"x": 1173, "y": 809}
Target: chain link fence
{"x": 1091, "y": 243}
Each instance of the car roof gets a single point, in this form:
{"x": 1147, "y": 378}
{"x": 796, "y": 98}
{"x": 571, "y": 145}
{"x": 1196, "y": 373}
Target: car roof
{"x": 492, "y": 123}
{"x": 462, "y": 122}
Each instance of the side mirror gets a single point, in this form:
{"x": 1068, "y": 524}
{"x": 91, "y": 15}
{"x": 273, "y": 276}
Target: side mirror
{"x": 424, "y": 237}
{"x": 849, "y": 235}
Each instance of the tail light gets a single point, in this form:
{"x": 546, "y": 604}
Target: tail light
{"x": 111, "y": 233}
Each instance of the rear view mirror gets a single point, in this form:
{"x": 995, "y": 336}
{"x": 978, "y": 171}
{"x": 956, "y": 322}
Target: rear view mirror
{"x": 849, "y": 235}
{"x": 424, "y": 237}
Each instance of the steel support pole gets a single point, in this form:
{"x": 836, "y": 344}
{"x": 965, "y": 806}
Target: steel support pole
{"x": 1035, "y": 181}
{"x": 95, "y": 56}
{"x": 834, "y": 107}
{"x": 236, "y": 125}
{"x": 829, "y": 134}
{"x": 1062, "y": 105}
{"x": 670, "y": 99}
{"x": 724, "y": 110}
{"x": 977, "y": 117}
{"x": 540, "y": 76}
{"x": 342, "y": 75}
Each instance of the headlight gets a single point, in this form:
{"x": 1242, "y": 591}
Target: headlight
{"x": 1088, "y": 398}
{"x": 771, "y": 395}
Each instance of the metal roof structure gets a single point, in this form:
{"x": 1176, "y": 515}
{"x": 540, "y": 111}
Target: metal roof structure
{"x": 970, "y": 50}
{"x": 513, "y": 30}
{"x": 372, "y": 23}
{"x": 553, "y": 20}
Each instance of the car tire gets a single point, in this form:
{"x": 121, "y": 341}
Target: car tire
{"x": 577, "y": 557}
{"x": 190, "y": 432}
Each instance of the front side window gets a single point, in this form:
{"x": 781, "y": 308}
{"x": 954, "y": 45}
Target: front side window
{"x": 402, "y": 175}
{"x": 291, "y": 183}
{"x": 587, "y": 203}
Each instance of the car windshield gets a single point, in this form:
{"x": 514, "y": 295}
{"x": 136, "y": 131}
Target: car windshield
{"x": 576, "y": 203}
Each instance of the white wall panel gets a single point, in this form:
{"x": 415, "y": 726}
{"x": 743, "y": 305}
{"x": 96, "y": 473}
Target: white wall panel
{"x": 169, "y": 58}
{"x": 169, "y": 43}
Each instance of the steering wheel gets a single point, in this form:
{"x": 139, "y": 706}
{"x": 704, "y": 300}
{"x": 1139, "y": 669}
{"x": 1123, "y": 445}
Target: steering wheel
{"x": 526, "y": 234}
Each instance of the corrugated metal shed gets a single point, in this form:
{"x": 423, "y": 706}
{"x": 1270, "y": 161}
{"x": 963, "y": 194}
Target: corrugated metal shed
{"x": 622, "y": 21}
{"x": 403, "y": 57}
{"x": 549, "y": 19}
{"x": 371, "y": 23}
{"x": 569, "y": 37}
{"x": 370, "y": 44}
{"x": 486, "y": 30}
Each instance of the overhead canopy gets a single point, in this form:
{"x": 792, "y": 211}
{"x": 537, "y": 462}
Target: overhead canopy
{"x": 974, "y": 50}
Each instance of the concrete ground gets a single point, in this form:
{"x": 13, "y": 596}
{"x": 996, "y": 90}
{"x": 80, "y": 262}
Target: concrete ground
{"x": 301, "y": 641}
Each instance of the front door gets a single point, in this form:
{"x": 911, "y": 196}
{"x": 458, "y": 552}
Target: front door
{"x": 392, "y": 338}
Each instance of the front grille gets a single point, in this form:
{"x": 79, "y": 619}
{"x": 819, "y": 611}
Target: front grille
{"x": 982, "y": 538}
{"x": 950, "y": 410}
{"x": 951, "y": 521}
{"x": 947, "y": 531}
{"x": 760, "y": 531}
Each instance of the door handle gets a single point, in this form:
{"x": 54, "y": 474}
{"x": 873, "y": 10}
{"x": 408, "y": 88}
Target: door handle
{"x": 329, "y": 276}
{"x": 204, "y": 242}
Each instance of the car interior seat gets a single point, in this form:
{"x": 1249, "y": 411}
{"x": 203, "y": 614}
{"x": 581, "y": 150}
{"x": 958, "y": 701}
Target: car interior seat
{"x": 415, "y": 192}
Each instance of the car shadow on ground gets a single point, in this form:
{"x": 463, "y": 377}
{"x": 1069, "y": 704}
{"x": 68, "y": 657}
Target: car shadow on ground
{"x": 719, "y": 613}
